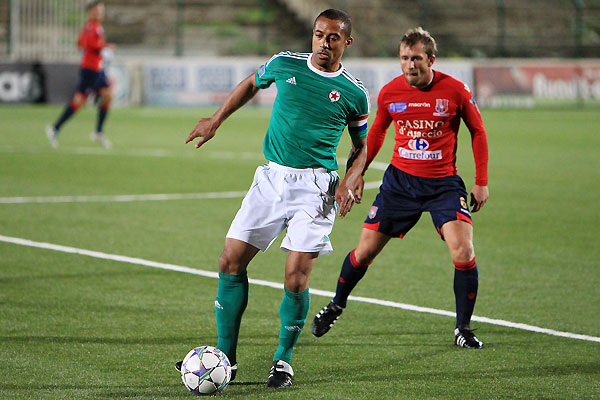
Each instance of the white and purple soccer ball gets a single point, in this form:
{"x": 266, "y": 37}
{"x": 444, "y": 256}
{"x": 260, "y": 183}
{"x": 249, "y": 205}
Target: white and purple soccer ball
{"x": 205, "y": 370}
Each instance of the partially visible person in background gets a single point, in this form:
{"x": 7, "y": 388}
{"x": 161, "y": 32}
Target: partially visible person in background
{"x": 91, "y": 76}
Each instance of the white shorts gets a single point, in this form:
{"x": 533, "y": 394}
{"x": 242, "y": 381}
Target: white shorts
{"x": 301, "y": 200}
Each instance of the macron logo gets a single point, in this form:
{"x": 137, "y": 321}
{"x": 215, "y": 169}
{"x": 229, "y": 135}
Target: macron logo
{"x": 292, "y": 80}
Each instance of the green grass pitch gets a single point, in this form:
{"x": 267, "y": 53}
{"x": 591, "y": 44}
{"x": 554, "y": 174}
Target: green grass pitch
{"x": 78, "y": 327}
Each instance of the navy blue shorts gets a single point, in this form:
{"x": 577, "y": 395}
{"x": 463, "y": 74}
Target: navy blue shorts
{"x": 91, "y": 81}
{"x": 403, "y": 198}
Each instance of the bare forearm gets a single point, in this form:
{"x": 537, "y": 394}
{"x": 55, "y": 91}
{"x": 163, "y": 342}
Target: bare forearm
{"x": 351, "y": 187}
{"x": 356, "y": 162}
{"x": 206, "y": 128}
{"x": 242, "y": 93}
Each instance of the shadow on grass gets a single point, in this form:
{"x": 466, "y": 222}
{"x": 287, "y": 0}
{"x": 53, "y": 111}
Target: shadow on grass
{"x": 531, "y": 371}
{"x": 28, "y": 278}
{"x": 402, "y": 375}
{"x": 236, "y": 383}
{"x": 116, "y": 391}
{"x": 120, "y": 391}
{"x": 175, "y": 340}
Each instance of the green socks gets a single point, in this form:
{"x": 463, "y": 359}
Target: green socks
{"x": 230, "y": 304}
{"x": 293, "y": 312}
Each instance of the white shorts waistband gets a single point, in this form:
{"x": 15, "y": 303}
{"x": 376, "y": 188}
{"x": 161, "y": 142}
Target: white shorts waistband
{"x": 280, "y": 167}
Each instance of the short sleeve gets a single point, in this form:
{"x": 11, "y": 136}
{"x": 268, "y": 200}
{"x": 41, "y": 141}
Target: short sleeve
{"x": 357, "y": 123}
{"x": 265, "y": 74}
{"x": 364, "y": 106}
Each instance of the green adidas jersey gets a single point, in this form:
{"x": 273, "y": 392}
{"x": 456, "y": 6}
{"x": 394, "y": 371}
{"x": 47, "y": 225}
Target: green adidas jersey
{"x": 311, "y": 110}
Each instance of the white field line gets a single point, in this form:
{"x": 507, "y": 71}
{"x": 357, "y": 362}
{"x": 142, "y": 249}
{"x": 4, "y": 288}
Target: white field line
{"x": 149, "y": 152}
{"x": 153, "y": 152}
{"x": 121, "y": 198}
{"x": 134, "y": 152}
{"x": 145, "y": 197}
{"x": 188, "y": 270}
{"x": 372, "y": 185}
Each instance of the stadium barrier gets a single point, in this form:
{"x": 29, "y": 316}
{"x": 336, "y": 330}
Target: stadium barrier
{"x": 176, "y": 82}
{"x": 537, "y": 83}
{"x": 22, "y": 83}
{"x": 56, "y": 82}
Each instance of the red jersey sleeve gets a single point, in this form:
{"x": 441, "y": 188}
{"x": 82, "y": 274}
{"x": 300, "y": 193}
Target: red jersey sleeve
{"x": 378, "y": 130}
{"x": 473, "y": 121}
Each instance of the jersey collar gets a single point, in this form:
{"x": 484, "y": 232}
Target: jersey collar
{"x": 433, "y": 76}
{"x": 322, "y": 73}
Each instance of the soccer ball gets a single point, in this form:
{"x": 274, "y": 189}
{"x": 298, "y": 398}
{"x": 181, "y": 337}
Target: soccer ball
{"x": 205, "y": 370}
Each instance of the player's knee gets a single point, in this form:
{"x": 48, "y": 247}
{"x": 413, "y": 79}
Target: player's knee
{"x": 462, "y": 252}
{"x": 296, "y": 282}
{"x": 77, "y": 100}
{"x": 293, "y": 285}
{"x": 364, "y": 256}
{"x": 106, "y": 99}
{"x": 228, "y": 264}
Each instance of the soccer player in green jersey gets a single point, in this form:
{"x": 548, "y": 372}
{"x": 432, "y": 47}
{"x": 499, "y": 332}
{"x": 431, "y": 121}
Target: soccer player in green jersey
{"x": 298, "y": 189}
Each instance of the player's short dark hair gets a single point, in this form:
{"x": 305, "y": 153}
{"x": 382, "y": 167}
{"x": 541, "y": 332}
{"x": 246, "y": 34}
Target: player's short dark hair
{"x": 338, "y": 15}
{"x": 416, "y": 35}
{"x": 92, "y": 3}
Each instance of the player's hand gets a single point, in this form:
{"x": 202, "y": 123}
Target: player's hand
{"x": 205, "y": 129}
{"x": 360, "y": 186}
{"x": 345, "y": 198}
{"x": 479, "y": 196}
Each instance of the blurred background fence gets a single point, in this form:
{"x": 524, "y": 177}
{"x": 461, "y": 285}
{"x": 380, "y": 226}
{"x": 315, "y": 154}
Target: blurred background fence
{"x": 46, "y": 29}
{"x": 535, "y": 50}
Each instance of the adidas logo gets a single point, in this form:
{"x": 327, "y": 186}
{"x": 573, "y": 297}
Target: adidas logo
{"x": 218, "y": 305}
{"x": 292, "y": 80}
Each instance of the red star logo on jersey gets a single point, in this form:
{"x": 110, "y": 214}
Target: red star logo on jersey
{"x": 334, "y": 95}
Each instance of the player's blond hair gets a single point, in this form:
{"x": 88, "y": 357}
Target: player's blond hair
{"x": 416, "y": 35}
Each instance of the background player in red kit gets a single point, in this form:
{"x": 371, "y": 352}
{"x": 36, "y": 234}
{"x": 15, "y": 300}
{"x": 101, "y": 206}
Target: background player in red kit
{"x": 426, "y": 107}
{"x": 91, "y": 75}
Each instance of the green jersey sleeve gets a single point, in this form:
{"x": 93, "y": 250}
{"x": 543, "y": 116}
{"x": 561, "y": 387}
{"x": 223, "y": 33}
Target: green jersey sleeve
{"x": 266, "y": 73}
{"x": 357, "y": 121}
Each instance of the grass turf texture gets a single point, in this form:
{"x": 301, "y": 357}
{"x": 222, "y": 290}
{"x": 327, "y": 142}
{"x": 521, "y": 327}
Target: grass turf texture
{"x": 77, "y": 327}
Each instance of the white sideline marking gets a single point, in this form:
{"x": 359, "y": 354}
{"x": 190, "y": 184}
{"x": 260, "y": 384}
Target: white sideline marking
{"x": 121, "y": 198}
{"x": 133, "y": 152}
{"x": 372, "y": 185}
{"x": 156, "y": 152}
{"x": 324, "y": 293}
{"x": 135, "y": 197}
{"x": 147, "y": 197}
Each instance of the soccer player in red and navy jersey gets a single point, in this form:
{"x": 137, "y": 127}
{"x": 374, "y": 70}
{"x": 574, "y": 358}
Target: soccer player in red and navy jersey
{"x": 426, "y": 107}
{"x": 91, "y": 75}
